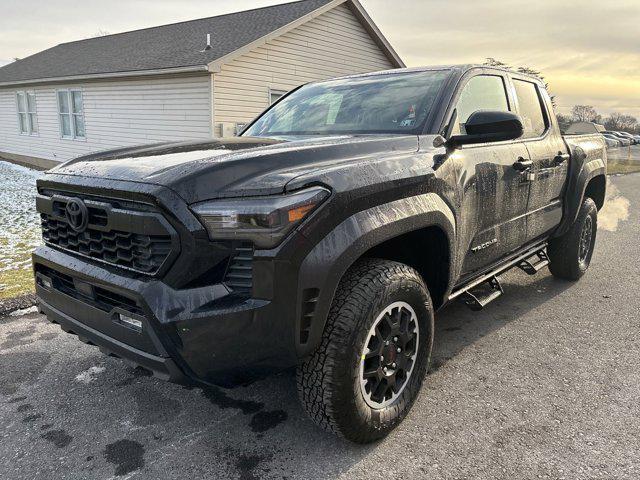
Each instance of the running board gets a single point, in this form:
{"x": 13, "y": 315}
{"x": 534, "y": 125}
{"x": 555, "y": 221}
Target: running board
{"x": 533, "y": 268}
{"x": 474, "y": 296}
{"x": 478, "y": 300}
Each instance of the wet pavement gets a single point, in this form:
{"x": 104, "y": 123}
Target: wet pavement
{"x": 542, "y": 384}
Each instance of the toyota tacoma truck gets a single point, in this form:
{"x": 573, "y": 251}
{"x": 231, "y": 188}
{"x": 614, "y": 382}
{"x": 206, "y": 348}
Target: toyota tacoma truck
{"x": 324, "y": 237}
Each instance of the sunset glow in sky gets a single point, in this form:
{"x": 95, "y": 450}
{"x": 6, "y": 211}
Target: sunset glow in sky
{"x": 588, "y": 50}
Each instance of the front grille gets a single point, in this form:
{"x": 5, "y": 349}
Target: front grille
{"x": 98, "y": 297}
{"x": 144, "y": 253}
{"x": 139, "y": 240}
{"x": 239, "y": 276}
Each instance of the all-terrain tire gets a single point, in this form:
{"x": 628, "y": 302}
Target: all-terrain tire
{"x": 329, "y": 381}
{"x": 570, "y": 254}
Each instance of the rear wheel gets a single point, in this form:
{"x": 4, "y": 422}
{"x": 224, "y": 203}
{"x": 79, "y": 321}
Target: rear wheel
{"x": 363, "y": 379}
{"x": 570, "y": 254}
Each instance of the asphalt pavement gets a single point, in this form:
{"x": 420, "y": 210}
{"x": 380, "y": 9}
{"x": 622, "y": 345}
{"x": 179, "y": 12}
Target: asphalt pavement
{"x": 544, "y": 383}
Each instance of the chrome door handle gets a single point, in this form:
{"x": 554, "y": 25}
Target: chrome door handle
{"x": 523, "y": 165}
{"x": 561, "y": 158}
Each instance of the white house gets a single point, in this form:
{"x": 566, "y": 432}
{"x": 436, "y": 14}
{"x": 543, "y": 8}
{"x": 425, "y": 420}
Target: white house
{"x": 183, "y": 81}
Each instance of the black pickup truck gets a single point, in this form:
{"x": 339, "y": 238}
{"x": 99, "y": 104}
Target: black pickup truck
{"x": 324, "y": 237}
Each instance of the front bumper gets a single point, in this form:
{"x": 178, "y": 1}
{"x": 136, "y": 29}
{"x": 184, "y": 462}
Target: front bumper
{"x": 162, "y": 367}
{"x": 204, "y": 334}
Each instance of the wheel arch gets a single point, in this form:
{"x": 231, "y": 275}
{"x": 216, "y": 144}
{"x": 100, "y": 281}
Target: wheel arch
{"x": 376, "y": 232}
{"x": 427, "y": 250}
{"x": 587, "y": 177}
{"x": 596, "y": 190}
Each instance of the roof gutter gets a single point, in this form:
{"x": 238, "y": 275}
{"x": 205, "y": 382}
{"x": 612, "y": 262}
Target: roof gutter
{"x": 102, "y": 76}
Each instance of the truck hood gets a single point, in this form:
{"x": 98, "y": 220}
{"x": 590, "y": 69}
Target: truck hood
{"x": 240, "y": 166}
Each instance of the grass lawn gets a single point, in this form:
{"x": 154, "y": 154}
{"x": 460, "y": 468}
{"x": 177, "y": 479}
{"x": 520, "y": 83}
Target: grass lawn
{"x": 624, "y": 160}
{"x": 617, "y": 168}
{"x": 16, "y": 282}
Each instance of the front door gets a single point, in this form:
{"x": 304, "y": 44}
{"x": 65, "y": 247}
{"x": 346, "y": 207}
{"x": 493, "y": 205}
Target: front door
{"x": 500, "y": 194}
{"x": 493, "y": 214}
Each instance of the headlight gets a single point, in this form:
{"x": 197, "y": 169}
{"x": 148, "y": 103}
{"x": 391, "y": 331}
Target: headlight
{"x": 263, "y": 220}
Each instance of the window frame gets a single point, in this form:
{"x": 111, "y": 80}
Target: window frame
{"x": 30, "y": 131}
{"x": 72, "y": 116}
{"x": 543, "y": 106}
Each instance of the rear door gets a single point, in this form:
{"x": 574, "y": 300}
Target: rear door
{"x": 494, "y": 202}
{"x": 549, "y": 155}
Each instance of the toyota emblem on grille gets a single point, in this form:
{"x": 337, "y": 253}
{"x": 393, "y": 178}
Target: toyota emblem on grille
{"x": 77, "y": 214}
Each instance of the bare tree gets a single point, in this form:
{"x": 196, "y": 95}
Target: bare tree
{"x": 584, "y": 113}
{"x": 537, "y": 74}
{"x": 492, "y": 62}
{"x": 619, "y": 121}
{"x": 563, "y": 121}
{"x": 100, "y": 33}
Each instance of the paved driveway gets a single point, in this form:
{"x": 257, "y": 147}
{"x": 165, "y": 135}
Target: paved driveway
{"x": 542, "y": 384}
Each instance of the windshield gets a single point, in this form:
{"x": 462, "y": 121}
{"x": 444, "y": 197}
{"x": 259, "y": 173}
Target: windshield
{"x": 388, "y": 103}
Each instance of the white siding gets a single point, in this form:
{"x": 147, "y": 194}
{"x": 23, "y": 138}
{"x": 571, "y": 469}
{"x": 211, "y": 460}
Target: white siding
{"x": 117, "y": 114}
{"x": 331, "y": 45}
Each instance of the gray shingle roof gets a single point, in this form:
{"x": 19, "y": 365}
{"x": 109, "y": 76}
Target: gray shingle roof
{"x": 166, "y": 46}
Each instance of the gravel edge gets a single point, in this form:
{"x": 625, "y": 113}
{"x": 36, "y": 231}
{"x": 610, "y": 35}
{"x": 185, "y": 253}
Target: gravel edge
{"x": 9, "y": 305}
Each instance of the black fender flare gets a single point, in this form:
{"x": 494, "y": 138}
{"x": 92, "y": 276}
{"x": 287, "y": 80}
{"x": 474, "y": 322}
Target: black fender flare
{"x": 584, "y": 169}
{"x": 324, "y": 266}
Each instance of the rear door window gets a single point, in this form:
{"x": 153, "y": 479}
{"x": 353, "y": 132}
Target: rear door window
{"x": 530, "y": 108}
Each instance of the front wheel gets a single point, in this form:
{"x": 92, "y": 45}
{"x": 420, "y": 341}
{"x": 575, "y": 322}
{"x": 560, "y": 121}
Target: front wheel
{"x": 367, "y": 372}
{"x": 570, "y": 254}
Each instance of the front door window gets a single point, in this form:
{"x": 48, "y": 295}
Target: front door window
{"x": 484, "y": 92}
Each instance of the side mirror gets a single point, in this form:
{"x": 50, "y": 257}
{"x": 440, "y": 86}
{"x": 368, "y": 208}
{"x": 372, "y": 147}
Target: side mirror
{"x": 487, "y": 126}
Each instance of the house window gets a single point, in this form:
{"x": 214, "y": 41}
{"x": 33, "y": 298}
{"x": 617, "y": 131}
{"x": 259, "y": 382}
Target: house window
{"x": 71, "y": 114}
{"x": 27, "y": 113}
{"x": 275, "y": 95}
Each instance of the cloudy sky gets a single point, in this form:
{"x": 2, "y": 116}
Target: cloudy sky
{"x": 589, "y": 50}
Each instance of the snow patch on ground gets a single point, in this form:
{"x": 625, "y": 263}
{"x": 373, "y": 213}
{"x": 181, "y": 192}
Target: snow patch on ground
{"x": 19, "y": 220}
{"x": 89, "y": 375}
{"x": 24, "y": 311}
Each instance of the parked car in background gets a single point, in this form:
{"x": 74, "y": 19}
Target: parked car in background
{"x": 613, "y": 138}
{"x": 611, "y": 142}
{"x": 631, "y": 138}
{"x": 625, "y": 136}
{"x": 624, "y": 141}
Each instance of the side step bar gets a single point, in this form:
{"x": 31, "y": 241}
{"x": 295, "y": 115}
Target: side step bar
{"x": 533, "y": 268}
{"x": 478, "y": 300}
{"x": 485, "y": 289}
